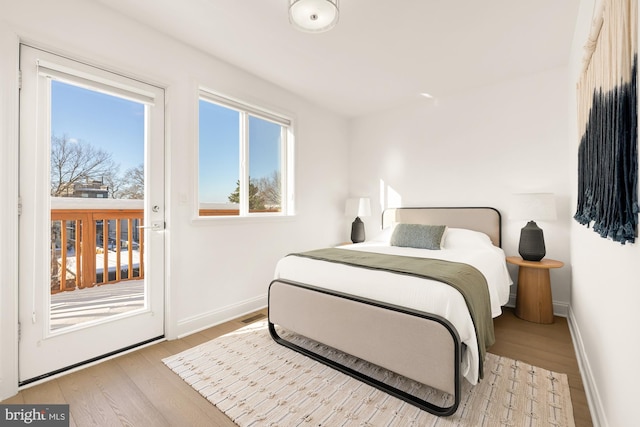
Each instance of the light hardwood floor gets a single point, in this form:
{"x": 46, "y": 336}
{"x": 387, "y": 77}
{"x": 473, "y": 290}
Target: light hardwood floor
{"x": 137, "y": 390}
{"x": 546, "y": 346}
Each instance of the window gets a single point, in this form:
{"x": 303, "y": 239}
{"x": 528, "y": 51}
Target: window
{"x": 243, "y": 159}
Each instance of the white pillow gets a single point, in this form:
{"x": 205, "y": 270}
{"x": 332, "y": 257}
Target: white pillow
{"x": 384, "y": 235}
{"x": 460, "y": 238}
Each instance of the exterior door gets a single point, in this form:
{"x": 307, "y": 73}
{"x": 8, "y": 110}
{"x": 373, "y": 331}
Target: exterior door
{"x": 92, "y": 213}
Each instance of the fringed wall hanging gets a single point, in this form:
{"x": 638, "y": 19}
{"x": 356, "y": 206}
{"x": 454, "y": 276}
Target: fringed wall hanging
{"x": 607, "y": 120}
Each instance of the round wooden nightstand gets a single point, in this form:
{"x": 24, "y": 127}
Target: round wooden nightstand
{"x": 533, "y": 299}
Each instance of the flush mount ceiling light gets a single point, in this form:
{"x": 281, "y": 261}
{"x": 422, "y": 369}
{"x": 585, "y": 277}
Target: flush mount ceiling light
{"x": 313, "y": 16}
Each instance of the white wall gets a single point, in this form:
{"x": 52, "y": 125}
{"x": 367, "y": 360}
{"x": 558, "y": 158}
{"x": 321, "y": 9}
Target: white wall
{"x": 474, "y": 149}
{"x": 215, "y": 269}
{"x": 506, "y": 138}
{"x": 605, "y": 292}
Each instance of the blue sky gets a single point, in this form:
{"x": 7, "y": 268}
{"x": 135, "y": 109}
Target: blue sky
{"x": 219, "y": 152}
{"x": 111, "y": 123}
{"x": 116, "y": 125}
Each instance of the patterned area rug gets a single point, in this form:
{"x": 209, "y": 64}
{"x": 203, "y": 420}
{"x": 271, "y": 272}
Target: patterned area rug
{"x": 257, "y": 382}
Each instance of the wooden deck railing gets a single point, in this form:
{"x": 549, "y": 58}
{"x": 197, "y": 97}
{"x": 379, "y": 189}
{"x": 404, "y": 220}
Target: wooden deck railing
{"x": 95, "y": 247}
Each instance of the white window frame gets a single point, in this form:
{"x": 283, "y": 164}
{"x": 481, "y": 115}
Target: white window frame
{"x": 286, "y": 156}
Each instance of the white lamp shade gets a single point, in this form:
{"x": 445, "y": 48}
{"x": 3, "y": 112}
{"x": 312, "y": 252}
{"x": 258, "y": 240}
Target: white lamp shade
{"x": 359, "y": 207}
{"x": 313, "y": 16}
{"x": 533, "y": 207}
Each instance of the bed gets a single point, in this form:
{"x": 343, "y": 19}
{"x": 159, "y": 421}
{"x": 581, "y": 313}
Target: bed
{"x": 417, "y": 327}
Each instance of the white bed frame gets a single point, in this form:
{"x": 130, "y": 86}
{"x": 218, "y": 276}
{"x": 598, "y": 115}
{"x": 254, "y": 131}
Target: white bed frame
{"x": 369, "y": 329}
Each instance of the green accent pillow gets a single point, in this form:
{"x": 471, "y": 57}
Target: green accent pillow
{"x": 418, "y": 236}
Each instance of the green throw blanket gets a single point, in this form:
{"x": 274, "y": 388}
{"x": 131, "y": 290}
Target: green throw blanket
{"x": 463, "y": 277}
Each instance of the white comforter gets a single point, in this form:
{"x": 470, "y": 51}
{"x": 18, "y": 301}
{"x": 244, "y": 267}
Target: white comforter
{"x": 411, "y": 292}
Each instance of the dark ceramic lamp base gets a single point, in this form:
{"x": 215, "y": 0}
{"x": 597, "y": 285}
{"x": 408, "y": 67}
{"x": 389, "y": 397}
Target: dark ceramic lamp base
{"x": 531, "y": 247}
{"x": 357, "y": 231}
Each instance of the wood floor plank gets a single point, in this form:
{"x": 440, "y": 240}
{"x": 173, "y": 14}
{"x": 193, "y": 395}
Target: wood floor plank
{"x": 18, "y": 399}
{"x": 546, "y": 346}
{"x": 138, "y": 389}
{"x": 131, "y": 405}
{"x": 48, "y": 392}
{"x": 175, "y": 400}
{"x": 87, "y": 405}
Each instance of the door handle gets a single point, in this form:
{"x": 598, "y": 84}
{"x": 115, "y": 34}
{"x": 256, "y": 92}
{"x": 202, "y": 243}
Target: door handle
{"x": 155, "y": 226}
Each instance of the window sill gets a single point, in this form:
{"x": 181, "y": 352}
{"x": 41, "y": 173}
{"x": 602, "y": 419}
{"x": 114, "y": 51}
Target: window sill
{"x": 240, "y": 220}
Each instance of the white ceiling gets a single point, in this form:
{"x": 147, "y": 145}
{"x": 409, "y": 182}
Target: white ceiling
{"x": 382, "y": 53}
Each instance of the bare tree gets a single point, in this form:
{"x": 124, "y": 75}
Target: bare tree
{"x": 74, "y": 162}
{"x": 269, "y": 188}
{"x": 264, "y": 193}
{"x": 132, "y": 186}
{"x": 113, "y": 181}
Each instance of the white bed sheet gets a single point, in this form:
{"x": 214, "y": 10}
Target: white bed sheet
{"x": 408, "y": 291}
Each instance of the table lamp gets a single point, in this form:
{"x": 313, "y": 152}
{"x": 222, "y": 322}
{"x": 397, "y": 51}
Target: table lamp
{"x": 532, "y": 207}
{"x": 360, "y": 207}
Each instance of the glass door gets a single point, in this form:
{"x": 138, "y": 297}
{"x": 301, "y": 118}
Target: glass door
{"x": 92, "y": 221}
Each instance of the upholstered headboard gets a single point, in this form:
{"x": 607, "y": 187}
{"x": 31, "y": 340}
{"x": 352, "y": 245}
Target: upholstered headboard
{"x": 484, "y": 219}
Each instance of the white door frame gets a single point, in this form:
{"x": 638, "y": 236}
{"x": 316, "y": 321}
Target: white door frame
{"x": 33, "y": 300}
{"x": 9, "y": 134}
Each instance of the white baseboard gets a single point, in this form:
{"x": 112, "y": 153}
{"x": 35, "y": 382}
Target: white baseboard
{"x": 199, "y": 322}
{"x": 590, "y": 389}
{"x": 560, "y": 308}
